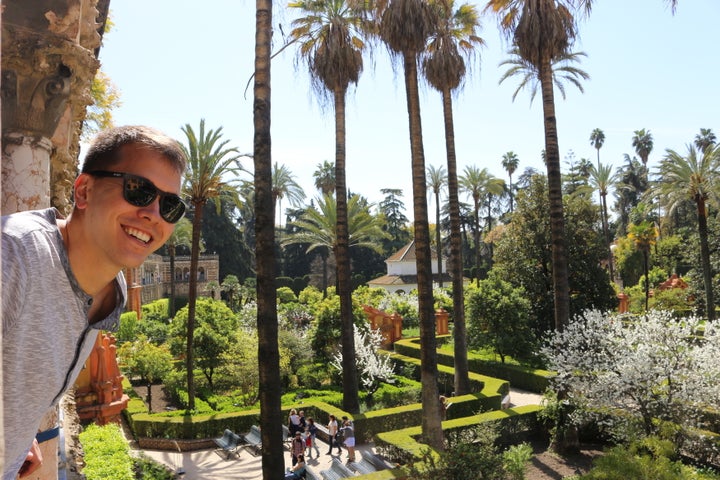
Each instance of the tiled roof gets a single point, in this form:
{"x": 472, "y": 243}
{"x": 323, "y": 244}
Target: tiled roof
{"x": 405, "y": 279}
{"x": 407, "y": 253}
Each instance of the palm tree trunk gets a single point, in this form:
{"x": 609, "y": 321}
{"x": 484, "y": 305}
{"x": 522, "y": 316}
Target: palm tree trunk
{"x": 462, "y": 377}
{"x": 557, "y": 221}
{"x": 476, "y": 240}
{"x": 267, "y": 324}
{"x": 608, "y": 240}
{"x": 192, "y": 300}
{"x": 431, "y": 426}
{"x": 438, "y": 238}
{"x": 351, "y": 402}
{"x": 646, "y": 269}
{"x": 705, "y": 258}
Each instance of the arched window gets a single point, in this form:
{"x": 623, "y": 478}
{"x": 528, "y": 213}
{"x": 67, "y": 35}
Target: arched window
{"x": 201, "y": 274}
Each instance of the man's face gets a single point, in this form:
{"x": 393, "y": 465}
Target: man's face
{"x": 125, "y": 234}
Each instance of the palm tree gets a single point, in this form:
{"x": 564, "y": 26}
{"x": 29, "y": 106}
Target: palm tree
{"x": 644, "y": 235}
{"x": 543, "y": 32}
{"x": 324, "y": 176}
{"x": 209, "y": 160}
{"x": 597, "y": 139}
{"x": 437, "y": 179}
{"x": 480, "y": 185}
{"x": 602, "y": 178}
{"x": 453, "y": 41}
{"x": 331, "y": 43}
{"x": 642, "y": 142}
{"x": 405, "y": 26}
{"x": 182, "y": 235}
{"x": 284, "y": 185}
{"x": 632, "y": 182}
{"x": 693, "y": 177}
{"x": 318, "y": 227}
{"x": 510, "y": 162}
{"x": 267, "y": 324}
{"x": 705, "y": 139}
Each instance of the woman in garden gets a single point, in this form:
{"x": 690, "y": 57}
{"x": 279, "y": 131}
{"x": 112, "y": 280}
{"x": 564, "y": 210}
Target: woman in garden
{"x": 349, "y": 435}
{"x": 297, "y": 470}
{"x": 332, "y": 433}
{"x": 311, "y": 432}
{"x": 293, "y": 422}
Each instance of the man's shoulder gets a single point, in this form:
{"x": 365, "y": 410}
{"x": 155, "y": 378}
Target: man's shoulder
{"x": 20, "y": 223}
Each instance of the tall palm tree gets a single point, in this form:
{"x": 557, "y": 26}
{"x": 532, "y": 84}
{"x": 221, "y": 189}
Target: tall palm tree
{"x": 695, "y": 177}
{"x": 481, "y": 186}
{"x": 510, "y": 162}
{"x": 324, "y": 176}
{"x": 543, "y": 32}
{"x": 436, "y": 180}
{"x": 597, "y": 139}
{"x": 642, "y": 142}
{"x": 404, "y": 26}
{"x": 210, "y": 162}
{"x": 644, "y": 235}
{"x": 284, "y": 185}
{"x": 602, "y": 179}
{"x": 632, "y": 182}
{"x": 267, "y": 324}
{"x": 450, "y": 51}
{"x": 705, "y": 139}
{"x": 331, "y": 43}
{"x": 182, "y": 235}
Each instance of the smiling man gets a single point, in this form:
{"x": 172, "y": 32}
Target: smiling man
{"x": 62, "y": 280}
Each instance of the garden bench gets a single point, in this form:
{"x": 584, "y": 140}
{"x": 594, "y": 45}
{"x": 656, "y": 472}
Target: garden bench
{"x": 286, "y": 434}
{"x": 377, "y": 461}
{"x": 254, "y": 439}
{"x": 336, "y": 471}
{"x": 229, "y": 442}
{"x": 363, "y": 467}
{"x": 322, "y": 433}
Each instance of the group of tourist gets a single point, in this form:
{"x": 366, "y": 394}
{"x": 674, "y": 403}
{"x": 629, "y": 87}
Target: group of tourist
{"x": 304, "y": 433}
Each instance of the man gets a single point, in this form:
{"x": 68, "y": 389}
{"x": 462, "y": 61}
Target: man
{"x": 62, "y": 279}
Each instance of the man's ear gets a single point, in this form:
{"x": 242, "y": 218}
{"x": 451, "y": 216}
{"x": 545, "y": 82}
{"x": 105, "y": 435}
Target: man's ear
{"x": 80, "y": 190}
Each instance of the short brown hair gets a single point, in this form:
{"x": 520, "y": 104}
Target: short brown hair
{"x": 107, "y": 145}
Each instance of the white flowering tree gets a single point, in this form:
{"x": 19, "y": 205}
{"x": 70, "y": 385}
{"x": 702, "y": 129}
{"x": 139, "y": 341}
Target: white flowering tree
{"x": 373, "y": 367}
{"x": 632, "y": 372}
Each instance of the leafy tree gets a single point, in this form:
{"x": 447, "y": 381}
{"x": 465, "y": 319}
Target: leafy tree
{"x": 705, "y": 139}
{"x": 693, "y": 177}
{"x": 222, "y": 234}
{"x": 632, "y": 182}
{"x": 269, "y": 367}
{"x": 231, "y": 289}
{"x": 531, "y": 266}
{"x": 449, "y": 54}
{"x": 543, "y": 33}
{"x": 651, "y": 367}
{"x": 210, "y": 161}
{"x": 374, "y": 368}
{"x": 105, "y": 98}
{"x": 392, "y": 207}
{"x": 499, "y": 318}
{"x": 141, "y": 358}
{"x": 405, "y": 27}
{"x": 216, "y": 325}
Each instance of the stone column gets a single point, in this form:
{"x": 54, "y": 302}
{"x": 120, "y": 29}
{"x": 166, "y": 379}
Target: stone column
{"x": 49, "y": 58}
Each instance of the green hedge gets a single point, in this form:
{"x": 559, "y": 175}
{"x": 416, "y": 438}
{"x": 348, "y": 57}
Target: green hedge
{"x": 107, "y": 453}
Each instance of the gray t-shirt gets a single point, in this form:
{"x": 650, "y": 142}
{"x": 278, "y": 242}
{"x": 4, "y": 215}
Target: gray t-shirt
{"x": 46, "y": 337}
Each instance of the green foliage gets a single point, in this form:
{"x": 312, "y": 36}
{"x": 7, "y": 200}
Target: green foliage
{"x": 405, "y": 305}
{"x": 371, "y": 296}
{"x": 286, "y": 295}
{"x": 639, "y": 461}
{"x": 146, "y": 468}
{"x": 403, "y": 392}
{"x": 310, "y": 296}
{"x": 498, "y": 317}
{"x": 515, "y": 460}
{"x": 107, "y": 454}
{"x": 145, "y": 360}
{"x": 325, "y": 331}
{"x": 127, "y": 331}
{"x": 678, "y": 300}
{"x": 156, "y": 311}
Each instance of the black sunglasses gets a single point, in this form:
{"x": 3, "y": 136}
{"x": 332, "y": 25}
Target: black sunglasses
{"x": 141, "y": 192}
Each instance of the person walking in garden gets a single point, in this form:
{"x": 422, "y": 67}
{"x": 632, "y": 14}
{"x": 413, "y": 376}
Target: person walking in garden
{"x": 349, "y": 437}
{"x": 62, "y": 277}
{"x": 333, "y": 433}
{"x": 311, "y": 431}
{"x": 293, "y": 422}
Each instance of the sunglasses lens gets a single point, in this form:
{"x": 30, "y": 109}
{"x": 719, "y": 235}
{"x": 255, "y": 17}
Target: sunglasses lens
{"x": 139, "y": 192}
{"x": 171, "y": 208}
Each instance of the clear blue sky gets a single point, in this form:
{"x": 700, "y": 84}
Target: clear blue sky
{"x": 177, "y": 61}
